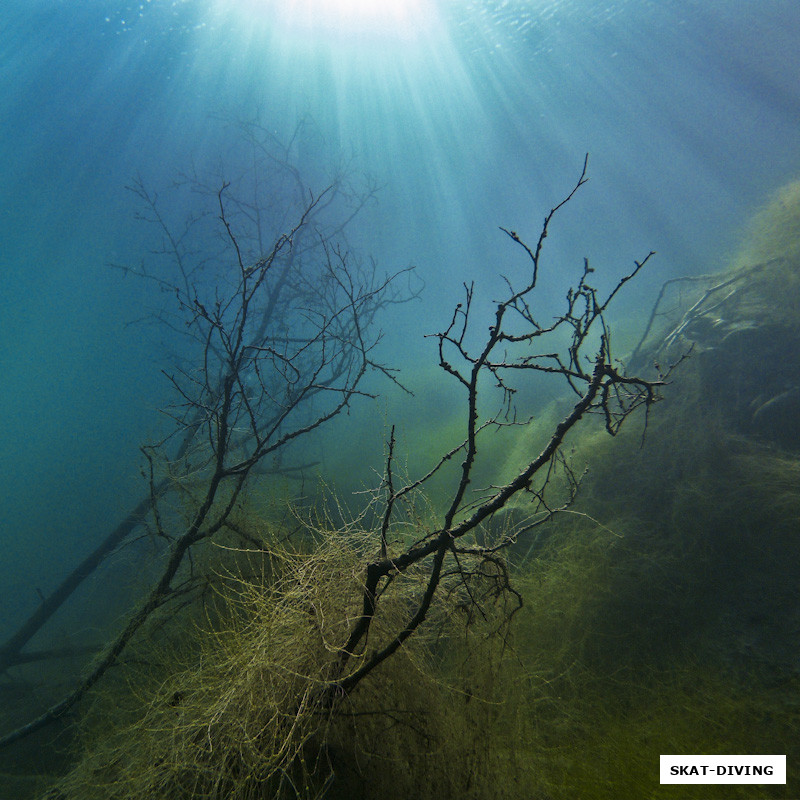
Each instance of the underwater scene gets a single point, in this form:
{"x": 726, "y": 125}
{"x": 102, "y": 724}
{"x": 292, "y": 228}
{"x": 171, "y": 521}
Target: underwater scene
{"x": 400, "y": 399}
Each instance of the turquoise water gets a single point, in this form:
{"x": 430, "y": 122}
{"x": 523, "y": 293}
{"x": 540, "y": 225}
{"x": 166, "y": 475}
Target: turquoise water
{"x": 468, "y": 115}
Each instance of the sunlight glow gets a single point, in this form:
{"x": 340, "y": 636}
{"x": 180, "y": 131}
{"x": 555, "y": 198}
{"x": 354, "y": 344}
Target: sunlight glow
{"x": 379, "y": 19}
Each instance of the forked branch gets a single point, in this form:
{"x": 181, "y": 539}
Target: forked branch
{"x": 586, "y": 366}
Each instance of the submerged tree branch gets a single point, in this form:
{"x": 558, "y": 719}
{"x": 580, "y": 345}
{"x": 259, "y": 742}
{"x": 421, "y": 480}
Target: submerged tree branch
{"x": 588, "y": 369}
{"x": 280, "y": 350}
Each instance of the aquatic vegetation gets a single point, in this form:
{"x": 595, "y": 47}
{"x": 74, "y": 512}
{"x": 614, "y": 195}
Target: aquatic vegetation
{"x": 241, "y": 710}
{"x": 666, "y": 626}
{"x": 228, "y": 703}
{"x": 619, "y": 653}
{"x": 437, "y": 646}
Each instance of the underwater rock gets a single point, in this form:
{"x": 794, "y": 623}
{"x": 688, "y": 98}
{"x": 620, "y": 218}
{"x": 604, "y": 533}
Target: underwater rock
{"x": 742, "y": 328}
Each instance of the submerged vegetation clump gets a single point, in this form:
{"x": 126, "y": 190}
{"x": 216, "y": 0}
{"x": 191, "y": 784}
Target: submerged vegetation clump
{"x": 233, "y": 704}
{"x": 240, "y": 713}
{"x": 646, "y": 628}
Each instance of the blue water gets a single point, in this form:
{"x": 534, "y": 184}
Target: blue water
{"x": 470, "y": 115}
